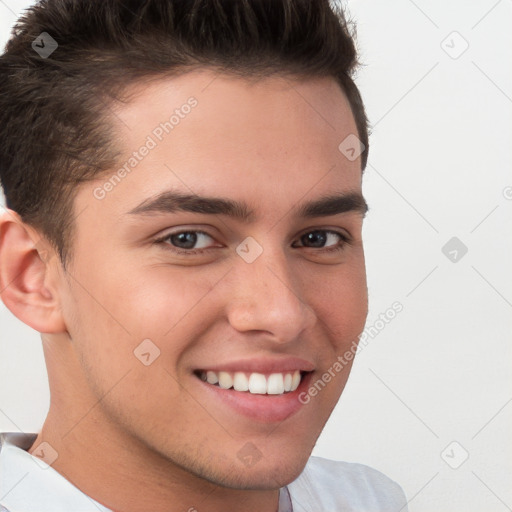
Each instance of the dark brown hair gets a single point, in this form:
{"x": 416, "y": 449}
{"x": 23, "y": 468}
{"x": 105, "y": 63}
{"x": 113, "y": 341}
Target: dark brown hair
{"x": 54, "y": 110}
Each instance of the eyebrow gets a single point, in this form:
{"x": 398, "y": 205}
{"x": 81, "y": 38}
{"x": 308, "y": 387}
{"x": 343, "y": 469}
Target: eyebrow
{"x": 175, "y": 201}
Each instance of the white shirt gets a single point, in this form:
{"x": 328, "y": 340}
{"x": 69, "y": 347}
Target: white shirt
{"x": 27, "y": 484}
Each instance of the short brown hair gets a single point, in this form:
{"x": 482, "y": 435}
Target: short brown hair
{"x": 54, "y": 130}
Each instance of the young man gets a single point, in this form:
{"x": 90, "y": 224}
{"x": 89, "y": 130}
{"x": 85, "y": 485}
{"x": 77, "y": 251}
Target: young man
{"x": 183, "y": 183}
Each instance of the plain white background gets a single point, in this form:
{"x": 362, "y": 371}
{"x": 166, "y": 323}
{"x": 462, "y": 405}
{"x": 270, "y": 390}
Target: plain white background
{"x": 429, "y": 398}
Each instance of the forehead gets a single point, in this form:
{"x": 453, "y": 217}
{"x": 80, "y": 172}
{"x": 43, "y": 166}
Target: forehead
{"x": 273, "y": 140}
{"x": 221, "y": 92}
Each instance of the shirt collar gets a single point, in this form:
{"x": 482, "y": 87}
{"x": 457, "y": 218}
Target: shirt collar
{"x": 27, "y": 483}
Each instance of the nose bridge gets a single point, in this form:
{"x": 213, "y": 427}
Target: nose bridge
{"x": 265, "y": 297}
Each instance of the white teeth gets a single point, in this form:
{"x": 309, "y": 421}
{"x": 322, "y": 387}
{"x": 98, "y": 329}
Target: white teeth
{"x": 211, "y": 377}
{"x": 240, "y": 382}
{"x": 275, "y": 384}
{"x": 256, "y": 383}
{"x": 288, "y": 382}
{"x": 295, "y": 380}
{"x": 225, "y": 380}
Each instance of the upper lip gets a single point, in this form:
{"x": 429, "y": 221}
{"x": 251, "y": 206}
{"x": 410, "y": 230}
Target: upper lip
{"x": 262, "y": 365}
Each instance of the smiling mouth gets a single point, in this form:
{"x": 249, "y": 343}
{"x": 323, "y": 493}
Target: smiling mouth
{"x": 254, "y": 383}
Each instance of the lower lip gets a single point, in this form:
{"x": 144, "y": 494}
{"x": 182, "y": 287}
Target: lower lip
{"x": 262, "y": 408}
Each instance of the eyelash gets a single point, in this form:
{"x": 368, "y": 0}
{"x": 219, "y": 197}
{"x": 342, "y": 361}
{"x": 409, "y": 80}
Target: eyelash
{"x": 191, "y": 252}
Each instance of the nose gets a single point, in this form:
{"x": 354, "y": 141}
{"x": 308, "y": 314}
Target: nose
{"x": 266, "y": 295}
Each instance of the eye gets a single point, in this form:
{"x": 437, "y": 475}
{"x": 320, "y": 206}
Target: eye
{"x": 190, "y": 242}
{"x": 324, "y": 239}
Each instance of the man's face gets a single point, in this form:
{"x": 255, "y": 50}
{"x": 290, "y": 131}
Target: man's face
{"x": 268, "y": 294}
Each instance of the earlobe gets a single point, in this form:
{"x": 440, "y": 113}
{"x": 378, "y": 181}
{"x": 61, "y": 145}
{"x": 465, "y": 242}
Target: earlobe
{"x": 26, "y": 271}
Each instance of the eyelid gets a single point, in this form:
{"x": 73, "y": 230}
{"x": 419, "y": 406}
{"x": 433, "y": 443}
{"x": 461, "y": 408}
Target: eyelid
{"x": 345, "y": 237}
{"x": 337, "y": 231}
{"x": 164, "y": 237}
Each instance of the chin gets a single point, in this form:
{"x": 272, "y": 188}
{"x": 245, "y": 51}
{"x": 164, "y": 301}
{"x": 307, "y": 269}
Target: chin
{"x": 263, "y": 474}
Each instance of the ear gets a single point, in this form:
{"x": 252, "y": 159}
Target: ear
{"x": 28, "y": 272}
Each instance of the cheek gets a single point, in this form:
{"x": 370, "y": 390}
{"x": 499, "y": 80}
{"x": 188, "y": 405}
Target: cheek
{"x": 141, "y": 300}
{"x": 100, "y": 336}
{"x": 341, "y": 304}
{"x": 119, "y": 314}
{"x": 162, "y": 300}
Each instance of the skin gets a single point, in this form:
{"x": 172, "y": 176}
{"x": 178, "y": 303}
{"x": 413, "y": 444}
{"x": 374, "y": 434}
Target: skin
{"x": 145, "y": 436}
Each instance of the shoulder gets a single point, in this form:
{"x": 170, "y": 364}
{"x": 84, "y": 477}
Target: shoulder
{"x": 331, "y": 485}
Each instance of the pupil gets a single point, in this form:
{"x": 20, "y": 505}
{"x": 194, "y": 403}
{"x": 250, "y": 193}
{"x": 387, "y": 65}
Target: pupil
{"x": 317, "y": 238}
{"x": 185, "y": 240}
